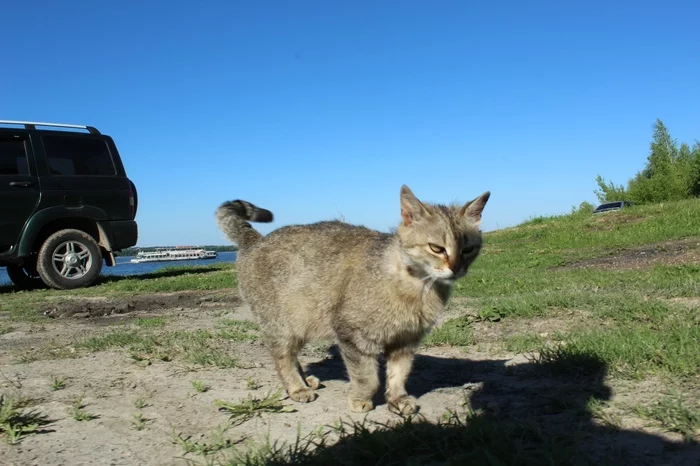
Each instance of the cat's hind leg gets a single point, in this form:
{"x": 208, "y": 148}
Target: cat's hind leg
{"x": 364, "y": 378}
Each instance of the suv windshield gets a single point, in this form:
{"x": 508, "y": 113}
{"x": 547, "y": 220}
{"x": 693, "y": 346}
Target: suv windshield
{"x": 78, "y": 156}
{"x": 610, "y": 205}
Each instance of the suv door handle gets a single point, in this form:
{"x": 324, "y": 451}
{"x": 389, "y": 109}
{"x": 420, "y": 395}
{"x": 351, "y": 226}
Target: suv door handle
{"x": 20, "y": 184}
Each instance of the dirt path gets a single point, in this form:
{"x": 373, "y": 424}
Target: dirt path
{"x": 676, "y": 252}
{"x": 112, "y": 382}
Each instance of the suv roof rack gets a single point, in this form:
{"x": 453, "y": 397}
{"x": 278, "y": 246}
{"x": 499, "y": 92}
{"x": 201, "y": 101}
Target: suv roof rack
{"x": 31, "y": 125}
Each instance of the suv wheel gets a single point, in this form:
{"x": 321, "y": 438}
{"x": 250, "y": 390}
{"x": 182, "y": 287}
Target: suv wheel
{"x": 69, "y": 259}
{"x": 25, "y": 278}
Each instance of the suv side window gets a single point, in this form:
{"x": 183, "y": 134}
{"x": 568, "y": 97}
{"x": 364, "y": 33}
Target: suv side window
{"x": 78, "y": 156}
{"x": 13, "y": 157}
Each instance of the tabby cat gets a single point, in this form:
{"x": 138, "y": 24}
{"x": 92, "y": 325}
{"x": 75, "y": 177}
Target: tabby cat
{"x": 373, "y": 293}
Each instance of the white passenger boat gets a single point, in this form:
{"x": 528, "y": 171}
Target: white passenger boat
{"x": 176, "y": 254}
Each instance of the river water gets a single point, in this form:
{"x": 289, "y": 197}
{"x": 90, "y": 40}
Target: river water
{"x": 125, "y": 267}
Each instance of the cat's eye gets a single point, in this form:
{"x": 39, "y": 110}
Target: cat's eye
{"x": 468, "y": 250}
{"x": 436, "y": 249}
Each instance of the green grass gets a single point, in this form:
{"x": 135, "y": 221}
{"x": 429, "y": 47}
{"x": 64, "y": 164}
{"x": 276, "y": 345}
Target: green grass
{"x": 151, "y": 322}
{"x": 138, "y": 421}
{"x": 25, "y": 305}
{"x": 253, "y": 384}
{"x": 200, "y": 386}
{"x": 664, "y": 344}
{"x": 218, "y": 442}
{"x": 456, "y": 440}
{"x": 526, "y": 259}
{"x": 249, "y": 407}
{"x": 170, "y": 279}
{"x": 78, "y": 410}
{"x": 625, "y": 316}
{"x": 601, "y": 410}
{"x": 238, "y": 330}
{"x": 198, "y": 347}
{"x": 16, "y": 422}
{"x": 523, "y": 343}
{"x": 674, "y": 414}
{"x": 487, "y": 281}
{"x": 241, "y": 325}
{"x": 82, "y": 415}
{"x": 140, "y": 403}
{"x": 454, "y": 332}
{"x": 58, "y": 384}
{"x": 558, "y": 239}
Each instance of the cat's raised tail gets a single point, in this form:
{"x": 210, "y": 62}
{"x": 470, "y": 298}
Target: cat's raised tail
{"x": 232, "y": 217}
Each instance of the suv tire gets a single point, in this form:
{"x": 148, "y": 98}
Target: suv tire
{"x": 25, "y": 278}
{"x": 69, "y": 259}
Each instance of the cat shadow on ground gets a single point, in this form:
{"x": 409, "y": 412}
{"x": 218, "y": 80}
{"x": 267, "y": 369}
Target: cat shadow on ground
{"x": 525, "y": 413}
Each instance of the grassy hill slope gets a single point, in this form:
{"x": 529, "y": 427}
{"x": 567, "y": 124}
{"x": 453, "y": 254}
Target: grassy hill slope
{"x": 628, "y": 279}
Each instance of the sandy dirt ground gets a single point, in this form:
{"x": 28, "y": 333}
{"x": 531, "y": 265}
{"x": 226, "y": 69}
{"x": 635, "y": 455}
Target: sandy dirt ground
{"x": 505, "y": 385}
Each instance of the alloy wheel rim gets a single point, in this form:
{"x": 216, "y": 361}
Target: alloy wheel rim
{"x": 71, "y": 260}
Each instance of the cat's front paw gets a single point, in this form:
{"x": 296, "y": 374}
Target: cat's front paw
{"x": 303, "y": 395}
{"x": 404, "y": 405}
{"x": 313, "y": 382}
{"x": 360, "y": 406}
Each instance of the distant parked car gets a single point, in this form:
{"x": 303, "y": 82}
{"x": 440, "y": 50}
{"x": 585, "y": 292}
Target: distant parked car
{"x": 66, "y": 204}
{"x": 608, "y": 206}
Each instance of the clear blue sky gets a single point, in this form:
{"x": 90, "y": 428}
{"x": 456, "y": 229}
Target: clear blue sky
{"x": 319, "y": 108}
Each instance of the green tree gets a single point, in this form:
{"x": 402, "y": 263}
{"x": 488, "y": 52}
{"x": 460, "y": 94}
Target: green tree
{"x": 662, "y": 179}
{"x": 694, "y": 165}
{"x": 671, "y": 173}
{"x": 663, "y": 153}
{"x": 609, "y": 192}
{"x": 685, "y": 167}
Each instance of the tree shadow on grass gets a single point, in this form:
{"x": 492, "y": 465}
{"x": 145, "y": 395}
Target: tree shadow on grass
{"x": 534, "y": 413}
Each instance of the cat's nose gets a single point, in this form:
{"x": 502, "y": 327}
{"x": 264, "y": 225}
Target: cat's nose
{"x": 453, "y": 263}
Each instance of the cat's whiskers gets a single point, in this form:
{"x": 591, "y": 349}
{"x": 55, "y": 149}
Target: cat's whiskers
{"x": 429, "y": 282}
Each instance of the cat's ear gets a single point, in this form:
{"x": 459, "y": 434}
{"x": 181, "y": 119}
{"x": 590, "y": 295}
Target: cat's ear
{"x": 472, "y": 209}
{"x": 411, "y": 208}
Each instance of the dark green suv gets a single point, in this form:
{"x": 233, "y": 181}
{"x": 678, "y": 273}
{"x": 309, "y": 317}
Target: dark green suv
{"x": 66, "y": 204}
